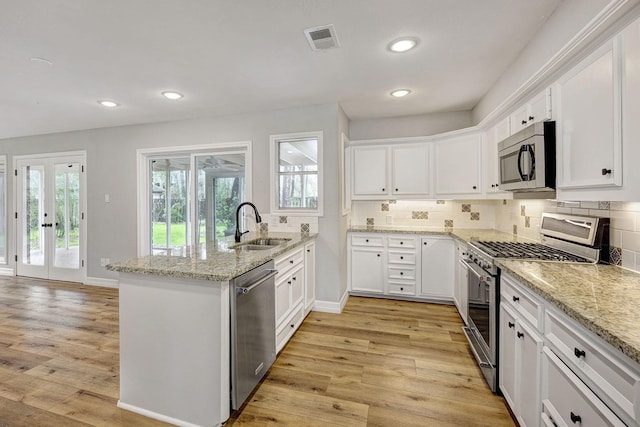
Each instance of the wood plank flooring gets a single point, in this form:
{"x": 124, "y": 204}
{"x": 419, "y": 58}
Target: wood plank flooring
{"x": 379, "y": 363}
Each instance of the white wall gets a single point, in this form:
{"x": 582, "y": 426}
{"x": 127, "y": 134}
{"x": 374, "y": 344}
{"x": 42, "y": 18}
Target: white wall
{"x": 111, "y": 168}
{"x": 405, "y": 126}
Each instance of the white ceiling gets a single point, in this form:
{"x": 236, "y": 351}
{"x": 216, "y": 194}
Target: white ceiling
{"x": 234, "y": 56}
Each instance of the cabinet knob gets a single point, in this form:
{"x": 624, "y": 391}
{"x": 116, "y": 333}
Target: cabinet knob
{"x": 396, "y": 189}
{"x": 524, "y": 122}
{"x": 493, "y": 185}
{"x": 402, "y": 289}
{"x": 401, "y": 257}
{"x": 530, "y": 118}
{"x": 289, "y": 282}
{"x": 294, "y": 278}
{"x": 511, "y": 324}
{"x": 606, "y": 171}
{"x": 516, "y": 299}
{"x": 520, "y": 334}
{"x": 497, "y": 185}
{"x": 293, "y": 325}
{"x": 308, "y": 250}
{"x": 402, "y": 243}
{"x": 474, "y": 187}
{"x": 575, "y": 418}
{"x": 367, "y": 240}
{"x": 424, "y": 243}
{"x": 290, "y": 261}
{"x": 378, "y": 254}
{"x": 402, "y": 273}
{"x": 383, "y": 189}
{"x": 579, "y": 353}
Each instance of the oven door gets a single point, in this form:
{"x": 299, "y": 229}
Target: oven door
{"x": 481, "y": 332}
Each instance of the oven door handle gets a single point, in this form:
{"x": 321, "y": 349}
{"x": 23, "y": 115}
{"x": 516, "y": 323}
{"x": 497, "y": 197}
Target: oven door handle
{"x": 477, "y": 271}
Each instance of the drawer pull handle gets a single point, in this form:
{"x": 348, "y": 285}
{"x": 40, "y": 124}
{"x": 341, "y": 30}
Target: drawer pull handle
{"x": 367, "y": 240}
{"x": 401, "y": 257}
{"x": 378, "y": 254}
{"x": 516, "y": 299}
{"x": 575, "y": 418}
{"x": 402, "y": 289}
{"x": 294, "y": 278}
{"x": 402, "y": 273}
{"x": 606, "y": 171}
{"x": 424, "y": 243}
{"x": 579, "y": 353}
{"x": 293, "y": 325}
{"x": 402, "y": 243}
{"x": 289, "y": 282}
{"x": 511, "y": 325}
{"x": 291, "y": 261}
{"x": 519, "y": 334}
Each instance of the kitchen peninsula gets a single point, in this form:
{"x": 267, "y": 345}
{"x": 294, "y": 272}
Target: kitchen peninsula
{"x": 175, "y": 322}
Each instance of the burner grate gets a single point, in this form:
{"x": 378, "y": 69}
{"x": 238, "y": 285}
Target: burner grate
{"x": 528, "y": 251}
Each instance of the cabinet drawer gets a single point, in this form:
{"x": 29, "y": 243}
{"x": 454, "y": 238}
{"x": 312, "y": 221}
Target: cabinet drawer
{"x": 567, "y": 401}
{"x": 373, "y": 241}
{"x": 398, "y": 272}
{"x": 287, "y": 328}
{"x": 285, "y": 262}
{"x": 605, "y": 373}
{"x": 397, "y": 288}
{"x": 525, "y": 303}
{"x": 408, "y": 258}
{"x": 402, "y": 242}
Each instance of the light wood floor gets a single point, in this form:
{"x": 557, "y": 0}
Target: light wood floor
{"x": 379, "y": 363}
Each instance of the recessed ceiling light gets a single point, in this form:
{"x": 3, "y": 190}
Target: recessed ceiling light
{"x": 172, "y": 95}
{"x": 399, "y": 93}
{"x": 108, "y": 104}
{"x": 40, "y": 60}
{"x": 403, "y": 44}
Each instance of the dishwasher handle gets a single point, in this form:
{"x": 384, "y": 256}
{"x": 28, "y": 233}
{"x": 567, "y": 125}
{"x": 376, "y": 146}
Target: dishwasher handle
{"x": 269, "y": 275}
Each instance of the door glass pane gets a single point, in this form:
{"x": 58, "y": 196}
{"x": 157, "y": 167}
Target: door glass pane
{"x": 33, "y": 202}
{"x": 169, "y": 203}
{"x": 221, "y": 188}
{"x": 67, "y": 218}
{"x": 3, "y": 217}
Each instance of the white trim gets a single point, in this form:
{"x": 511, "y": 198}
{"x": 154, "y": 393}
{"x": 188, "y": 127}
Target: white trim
{"x": 7, "y": 271}
{"x": 418, "y": 139}
{"x": 142, "y": 178}
{"x": 101, "y": 282}
{"x": 330, "y": 306}
{"x": 3, "y": 160}
{"x": 273, "y": 171}
{"x": 344, "y": 165}
{"x": 155, "y": 415}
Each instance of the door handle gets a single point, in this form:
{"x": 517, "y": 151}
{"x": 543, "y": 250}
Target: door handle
{"x": 47, "y": 225}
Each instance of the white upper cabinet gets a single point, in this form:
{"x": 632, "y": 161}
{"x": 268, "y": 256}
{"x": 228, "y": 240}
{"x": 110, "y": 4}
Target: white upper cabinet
{"x": 370, "y": 172}
{"x": 538, "y": 109}
{"x": 494, "y": 135}
{"x": 588, "y": 115}
{"x": 410, "y": 169}
{"x": 458, "y": 164}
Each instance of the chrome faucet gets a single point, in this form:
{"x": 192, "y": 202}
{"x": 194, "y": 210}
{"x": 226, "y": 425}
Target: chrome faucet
{"x": 258, "y": 219}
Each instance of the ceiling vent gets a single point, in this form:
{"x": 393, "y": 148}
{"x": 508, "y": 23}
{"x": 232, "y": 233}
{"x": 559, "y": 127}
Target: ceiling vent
{"x": 322, "y": 38}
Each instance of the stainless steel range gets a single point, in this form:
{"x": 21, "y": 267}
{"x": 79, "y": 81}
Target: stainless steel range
{"x": 564, "y": 238}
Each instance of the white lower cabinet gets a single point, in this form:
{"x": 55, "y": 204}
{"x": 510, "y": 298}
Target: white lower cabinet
{"x": 567, "y": 401}
{"x": 401, "y": 265}
{"x": 566, "y": 376}
{"x": 438, "y": 266}
{"x": 461, "y": 286}
{"x": 520, "y": 351}
{"x": 309, "y": 276}
{"x": 290, "y": 292}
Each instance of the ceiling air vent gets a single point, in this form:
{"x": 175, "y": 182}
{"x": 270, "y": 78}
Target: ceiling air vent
{"x": 322, "y": 38}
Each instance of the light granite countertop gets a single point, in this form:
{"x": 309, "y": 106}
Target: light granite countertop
{"x": 218, "y": 261}
{"x": 602, "y": 298}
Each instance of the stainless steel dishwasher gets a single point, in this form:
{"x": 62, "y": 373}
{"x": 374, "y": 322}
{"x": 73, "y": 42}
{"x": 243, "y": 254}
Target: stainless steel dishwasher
{"x": 253, "y": 330}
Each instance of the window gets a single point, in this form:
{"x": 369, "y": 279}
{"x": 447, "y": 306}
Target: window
{"x": 296, "y": 161}
{"x": 191, "y": 194}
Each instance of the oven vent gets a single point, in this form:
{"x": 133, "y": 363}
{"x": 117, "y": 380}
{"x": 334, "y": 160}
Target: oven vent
{"x": 322, "y": 38}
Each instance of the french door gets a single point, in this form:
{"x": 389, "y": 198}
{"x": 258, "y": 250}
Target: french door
{"x": 50, "y": 194}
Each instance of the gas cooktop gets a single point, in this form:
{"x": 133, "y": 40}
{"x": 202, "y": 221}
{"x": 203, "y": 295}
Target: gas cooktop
{"x": 522, "y": 250}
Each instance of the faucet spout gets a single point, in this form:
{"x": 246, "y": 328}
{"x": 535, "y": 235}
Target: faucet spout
{"x": 258, "y": 219}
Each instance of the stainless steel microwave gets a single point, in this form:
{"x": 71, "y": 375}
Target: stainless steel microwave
{"x": 527, "y": 159}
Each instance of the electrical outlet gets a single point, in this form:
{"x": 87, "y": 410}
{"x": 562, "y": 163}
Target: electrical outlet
{"x": 104, "y": 262}
{"x": 389, "y": 219}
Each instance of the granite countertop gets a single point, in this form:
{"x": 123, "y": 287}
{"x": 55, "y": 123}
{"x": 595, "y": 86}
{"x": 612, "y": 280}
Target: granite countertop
{"x": 602, "y": 298}
{"x": 219, "y": 260}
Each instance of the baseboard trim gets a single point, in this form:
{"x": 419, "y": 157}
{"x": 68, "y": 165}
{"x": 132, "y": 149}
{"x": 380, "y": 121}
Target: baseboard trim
{"x": 104, "y": 283}
{"x": 330, "y": 306}
{"x": 155, "y": 415}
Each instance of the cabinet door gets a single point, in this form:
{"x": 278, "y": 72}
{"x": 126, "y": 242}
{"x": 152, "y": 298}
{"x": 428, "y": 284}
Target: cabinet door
{"x": 367, "y": 273}
{"x": 370, "y": 171}
{"x": 437, "y": 268}
{"x": 507, "y": 355}
{"x": 528, "y": 375}
{"x": 283, "y": 297}
{"x": 518, "y": 119}
{"x": 540, "y": 107}
{"x": 457, "y": 164}
{"x": 297, "y": 286}
{"x": 588, "y": 127}
{"x": 494, "y": 135}
{"x": 410, "y": 169}
{"x": 310, "y": 275}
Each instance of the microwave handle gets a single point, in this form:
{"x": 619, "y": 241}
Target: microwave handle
{"x": 527, "y": 148}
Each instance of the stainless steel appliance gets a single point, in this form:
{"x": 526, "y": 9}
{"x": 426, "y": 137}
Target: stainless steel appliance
{"x": 253, "y": 320}
{"x": 527, "y": 159}
{"x": 564, "y": 238}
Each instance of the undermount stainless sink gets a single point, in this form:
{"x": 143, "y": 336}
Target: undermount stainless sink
{"x": 260, "y": 244}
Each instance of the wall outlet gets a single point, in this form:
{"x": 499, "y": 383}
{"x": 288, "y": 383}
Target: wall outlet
{"x": 104, "y": 262}
{"x": 389, "y": 219}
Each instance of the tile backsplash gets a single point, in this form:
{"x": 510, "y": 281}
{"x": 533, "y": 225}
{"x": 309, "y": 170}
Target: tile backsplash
{"x": 511, "y": 216}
